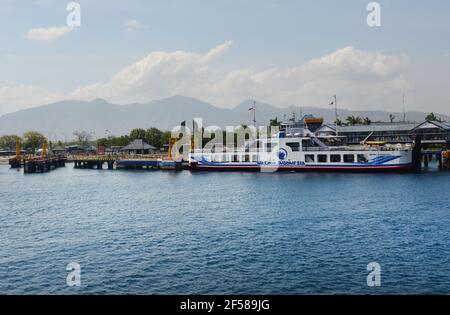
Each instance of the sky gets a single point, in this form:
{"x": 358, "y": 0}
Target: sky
{"x": 226, "y": 51}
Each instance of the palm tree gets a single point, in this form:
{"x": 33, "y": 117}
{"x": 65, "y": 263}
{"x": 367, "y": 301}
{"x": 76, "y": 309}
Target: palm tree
{"x": 391, "y": 118}
{"x": 352, "y": 120}
{"x": 274, "y": 122}
{"x": 432, "y": 117}
{"x": 339, "y": 122}
{"x": 367, "y": 121}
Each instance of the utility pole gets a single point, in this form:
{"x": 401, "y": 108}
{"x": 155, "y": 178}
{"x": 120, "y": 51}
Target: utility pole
{"x": 404, "y": 108}
{"x": 254, "y": 113}
{"x": 334, "y": 102}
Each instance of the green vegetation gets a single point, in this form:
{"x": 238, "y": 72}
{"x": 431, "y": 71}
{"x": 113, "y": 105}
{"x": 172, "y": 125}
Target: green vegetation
{"x": 83, "y": 138}
{"x": 33, "y": 140}
{"x": 30, "y": 141}
{"x": 432, "y": 117}
{"x": 352, "y": 120}
{"x": 153, "y": 136}
{"x": 349, "y": 121}
{"x": 8, "y": 142}
{"x": 339, "y": 122}
{"x": 274, "y": 122}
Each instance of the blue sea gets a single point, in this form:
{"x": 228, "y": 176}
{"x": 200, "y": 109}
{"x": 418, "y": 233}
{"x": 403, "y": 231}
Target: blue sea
{"x": 154, "y": 232}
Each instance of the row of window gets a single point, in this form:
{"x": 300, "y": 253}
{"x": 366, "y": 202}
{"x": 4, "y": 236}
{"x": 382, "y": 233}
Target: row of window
{"x": 235, "y": 158}
{"x": 309, "y": 158}
{"x": 336, "y": 158}
{"x": 295, "y": 146}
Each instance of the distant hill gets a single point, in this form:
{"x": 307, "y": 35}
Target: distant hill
{"x": 60, "y": 120}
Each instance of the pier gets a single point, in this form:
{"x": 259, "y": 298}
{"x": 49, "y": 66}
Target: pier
{"x": 136, "y": 162}
{"x": 43, "y": 164}
{"x": 37, "y": 164}
{"x": 94, "y": 161}
{"x": 16, "y": 162}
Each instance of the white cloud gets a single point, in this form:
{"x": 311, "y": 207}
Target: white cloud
{"x": 365, "y": 80}
{"x": 362, "y": 80}
{"x": 47, "y": 33}
{"x": 132, "y": 25}
{"x": 157, "y": 75}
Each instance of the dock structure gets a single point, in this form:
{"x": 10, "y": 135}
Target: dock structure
{"x": 16, "y": 162}
{"x": 133, "y": 162}
{"x": 37, "y": 164}
{"x": 42, "y": 164}
{"x": 94, "y": 161}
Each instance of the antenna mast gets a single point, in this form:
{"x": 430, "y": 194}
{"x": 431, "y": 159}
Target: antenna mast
{"x": 336, "y": 114}
{"x": 404, "y": 108}
{"x": 254, "y": 113}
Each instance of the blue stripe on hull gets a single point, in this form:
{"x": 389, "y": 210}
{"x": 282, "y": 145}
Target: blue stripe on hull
{"x": 328, "y": 168}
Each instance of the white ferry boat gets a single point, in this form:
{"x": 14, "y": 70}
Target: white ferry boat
{"x": 295, "y": 148}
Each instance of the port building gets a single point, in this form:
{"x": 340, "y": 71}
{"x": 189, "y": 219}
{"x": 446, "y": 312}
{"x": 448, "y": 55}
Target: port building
{"x": 432, "y": 132}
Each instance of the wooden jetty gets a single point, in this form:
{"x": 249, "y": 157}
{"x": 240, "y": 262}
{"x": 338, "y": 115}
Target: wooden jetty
{"x": 94, "y": 161}
{"x": 135, "y": 162}
{"x": 37, "y": 164}
{"x": 16, "y": 162}
{"x": 43, "y": 164}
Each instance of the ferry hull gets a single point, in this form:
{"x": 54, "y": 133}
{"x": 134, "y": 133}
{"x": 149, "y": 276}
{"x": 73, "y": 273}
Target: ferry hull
{"x": 302, "y": 154}
{"x": 257, "y": 168}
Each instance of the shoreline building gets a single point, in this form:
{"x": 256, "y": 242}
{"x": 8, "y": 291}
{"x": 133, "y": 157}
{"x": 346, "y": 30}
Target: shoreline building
{"x": 432, "y": 132}
{"x": 138, "y": 146}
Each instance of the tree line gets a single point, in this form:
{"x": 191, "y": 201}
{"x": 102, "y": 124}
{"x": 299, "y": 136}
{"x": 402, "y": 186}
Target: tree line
{"x": 153, "y": 136}
{"x": 32, "y": 141}
{"x": 354, "y": 120}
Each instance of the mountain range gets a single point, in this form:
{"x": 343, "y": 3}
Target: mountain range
{"x": 100, "y": 118}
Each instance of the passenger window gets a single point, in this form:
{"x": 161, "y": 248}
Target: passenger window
{"x": 349, "y": 158}
{"x": 322, "y": 158}
{"x": 335, "y": 158}
{"x": 295, "y": 146}
{"x": 363, "y": 158}
{"x": 309, "y": 158}
{"x": 306, "y": 144}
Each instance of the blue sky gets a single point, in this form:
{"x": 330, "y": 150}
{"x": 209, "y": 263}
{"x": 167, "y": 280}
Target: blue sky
{"x": 273, "y": 45}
